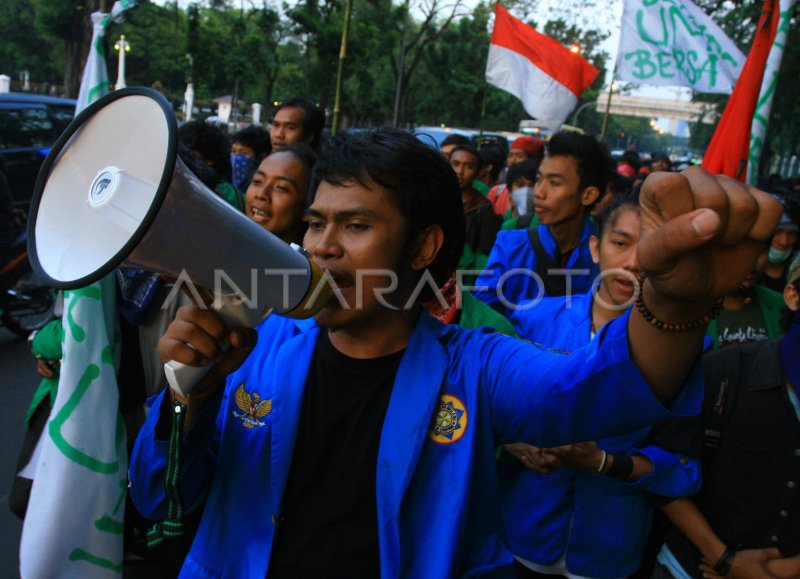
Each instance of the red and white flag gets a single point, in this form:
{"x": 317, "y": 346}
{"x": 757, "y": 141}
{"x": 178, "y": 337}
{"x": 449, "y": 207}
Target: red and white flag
{"x": 536, "y": 69}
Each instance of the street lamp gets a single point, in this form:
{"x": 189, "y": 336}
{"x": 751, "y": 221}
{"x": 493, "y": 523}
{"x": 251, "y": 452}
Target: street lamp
{"x": 575, "y": 48}
{"x": 122, "y": 46}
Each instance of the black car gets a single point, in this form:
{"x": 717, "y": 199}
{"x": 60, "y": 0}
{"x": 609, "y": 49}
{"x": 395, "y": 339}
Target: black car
{"x": 29, "y": 126}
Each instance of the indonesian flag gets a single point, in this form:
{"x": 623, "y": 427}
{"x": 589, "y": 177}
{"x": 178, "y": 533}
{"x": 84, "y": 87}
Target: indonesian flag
{"x": 729, "y": 149}
{"x": 536, "y": 69}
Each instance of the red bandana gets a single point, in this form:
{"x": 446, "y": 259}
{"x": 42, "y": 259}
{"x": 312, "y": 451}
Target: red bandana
{"x": 451, "y": 294}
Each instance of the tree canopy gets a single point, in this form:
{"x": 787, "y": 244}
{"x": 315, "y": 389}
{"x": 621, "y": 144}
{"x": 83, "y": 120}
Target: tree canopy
{"x": 419, "y": 62}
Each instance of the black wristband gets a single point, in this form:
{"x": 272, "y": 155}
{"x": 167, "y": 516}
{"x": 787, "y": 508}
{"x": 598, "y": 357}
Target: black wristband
{"x": 725, "y": 562}
{"x": 621, "y": 466}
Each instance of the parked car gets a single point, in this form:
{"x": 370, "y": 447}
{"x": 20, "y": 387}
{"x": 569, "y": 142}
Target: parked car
{"x": 29, "y": 126}
{"x": 539, "y": 129}
{"x": 433, "y": 136}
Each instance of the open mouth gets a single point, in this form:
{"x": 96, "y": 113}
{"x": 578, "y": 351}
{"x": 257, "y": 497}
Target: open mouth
{"x": 625, "y": 283}
{"x": 258, "y": 214}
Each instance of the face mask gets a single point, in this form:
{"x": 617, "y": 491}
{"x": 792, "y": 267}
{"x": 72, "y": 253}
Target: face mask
{"x": 778, "y": 256}
{"x": 522, "y": 198}
{"x": 243, "y": 169}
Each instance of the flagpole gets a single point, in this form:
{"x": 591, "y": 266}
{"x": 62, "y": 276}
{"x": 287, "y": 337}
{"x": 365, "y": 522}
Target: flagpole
{"x": 483, "y": 115}
{"x": 608, "y": 108}
{"x": 337, "y": 107}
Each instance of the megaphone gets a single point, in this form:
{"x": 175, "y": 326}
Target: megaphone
{"x": 113, "y": 192}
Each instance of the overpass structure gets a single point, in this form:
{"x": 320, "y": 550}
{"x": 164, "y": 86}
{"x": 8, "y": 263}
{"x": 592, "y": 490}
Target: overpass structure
{"x": 654, "y": 108}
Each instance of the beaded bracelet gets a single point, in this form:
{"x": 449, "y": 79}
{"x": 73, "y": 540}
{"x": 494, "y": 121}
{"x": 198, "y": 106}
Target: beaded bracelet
{"x": 651, "y": 319}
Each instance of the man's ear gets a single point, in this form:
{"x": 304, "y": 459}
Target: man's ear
{"x": 594, "y": 248}
{"x": 589, "y": 195}
{"x": 429, "y": 242}
{"x": 791, "y": 297}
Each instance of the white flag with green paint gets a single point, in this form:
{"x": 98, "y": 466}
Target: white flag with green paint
{"x": 675, "y": 43}
{"x": 74, "y": 524}
{"x": 94, "y": 83}
{"x": 758, "y": 130}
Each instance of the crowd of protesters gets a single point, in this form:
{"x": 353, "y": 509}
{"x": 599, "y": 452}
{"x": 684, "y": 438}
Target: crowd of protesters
{"x": 405, "y": 444}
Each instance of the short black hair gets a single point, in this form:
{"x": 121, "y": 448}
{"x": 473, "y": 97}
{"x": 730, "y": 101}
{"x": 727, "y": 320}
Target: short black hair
{"x": 632, "y": 158}
{"x": 211, "y": 143}
{"x": 306, "y": 154}
{"x": 619, "y": 184}
{"x": 660, "y": 156}
{"x": 313, "y": 119}
{"x": 496, "y": 157}
{"x": 455, "y": 139}
{"x": 255, "y": 137}
{"x": 592, "y": 157}
{"x": 523, "y": 170}
{"x": 421, "y": 183}
{"x": 202, "y": 171}
{"x": 613, "y": 210}
{"x": 472, "y": 151}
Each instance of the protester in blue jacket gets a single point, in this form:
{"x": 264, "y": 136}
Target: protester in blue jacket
{"x": 551, "y": 259}
{"x": 585, "y": 510}
{"x": 361, "y": 444}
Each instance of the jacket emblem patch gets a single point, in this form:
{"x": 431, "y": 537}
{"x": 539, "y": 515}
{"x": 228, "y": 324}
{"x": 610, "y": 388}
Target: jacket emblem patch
{"x": 449, "y": 420}
{"x": 252, "y": 408}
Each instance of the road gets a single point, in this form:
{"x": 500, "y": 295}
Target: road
{"x": 19, "y": 380}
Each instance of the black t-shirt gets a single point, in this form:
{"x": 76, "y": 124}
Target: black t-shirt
{"x": 741, "y": 326}
{"x": 328, "y": 525}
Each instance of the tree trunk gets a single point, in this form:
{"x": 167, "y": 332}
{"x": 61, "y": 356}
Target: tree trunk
{"x": 76, "y": 50}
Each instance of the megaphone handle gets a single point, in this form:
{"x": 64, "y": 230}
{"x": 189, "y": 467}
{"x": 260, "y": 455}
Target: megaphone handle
{"x": 183, "y": 378}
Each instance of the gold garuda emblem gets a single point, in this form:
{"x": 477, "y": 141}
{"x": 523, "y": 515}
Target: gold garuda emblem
{"x": 252, "y": 407}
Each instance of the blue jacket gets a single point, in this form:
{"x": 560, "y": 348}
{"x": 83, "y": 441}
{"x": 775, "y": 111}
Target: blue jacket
{"x": 601, "y": 523}
{"x": 513, "y": 250}
{"x": 436, "y": 479}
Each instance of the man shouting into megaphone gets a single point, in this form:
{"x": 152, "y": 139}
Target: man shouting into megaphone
{"x": 361, "y": 443}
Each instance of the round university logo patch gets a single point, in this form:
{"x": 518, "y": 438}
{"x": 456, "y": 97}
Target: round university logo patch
{"x": 449, "y": 420}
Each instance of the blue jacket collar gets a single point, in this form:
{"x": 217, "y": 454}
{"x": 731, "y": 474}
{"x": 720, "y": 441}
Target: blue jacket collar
{"x": 550, "y": 243}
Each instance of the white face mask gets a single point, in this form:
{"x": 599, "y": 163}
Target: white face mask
{"x": 523, "y": 199}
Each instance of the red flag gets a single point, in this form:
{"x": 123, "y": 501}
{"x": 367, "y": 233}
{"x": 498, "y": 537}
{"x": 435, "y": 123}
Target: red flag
{"x": 729, "y": 149}
{"x": 536, "y": 69}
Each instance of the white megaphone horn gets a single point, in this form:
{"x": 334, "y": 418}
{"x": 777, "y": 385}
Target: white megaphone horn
{"x": 113, "y": 191}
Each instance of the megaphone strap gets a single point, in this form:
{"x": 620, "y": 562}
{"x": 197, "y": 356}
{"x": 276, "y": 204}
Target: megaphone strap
{"x": 173, "y": 524}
